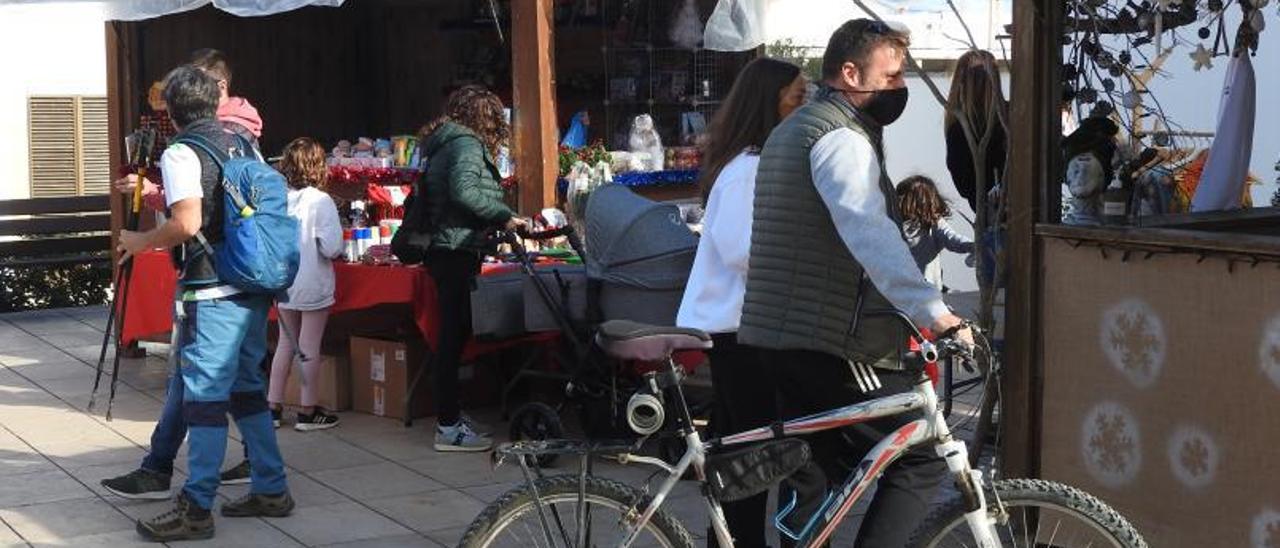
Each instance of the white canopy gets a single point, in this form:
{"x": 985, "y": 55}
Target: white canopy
{"x": 136, "y": 10}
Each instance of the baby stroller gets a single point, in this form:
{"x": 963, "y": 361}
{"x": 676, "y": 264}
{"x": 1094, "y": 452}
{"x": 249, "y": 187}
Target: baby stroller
{"x": 638, "y": 255}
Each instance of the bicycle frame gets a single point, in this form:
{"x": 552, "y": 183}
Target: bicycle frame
{"x": 932, "y": 428}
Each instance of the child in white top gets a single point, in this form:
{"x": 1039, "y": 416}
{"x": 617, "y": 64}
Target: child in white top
{"x": 303, "y": 317}
{"x": 925, "y": 227}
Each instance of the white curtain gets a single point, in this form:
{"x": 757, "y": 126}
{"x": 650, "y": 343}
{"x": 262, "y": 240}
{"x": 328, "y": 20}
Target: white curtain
{"x": 134, "y": 10}
{"x": 1222, "y": 183}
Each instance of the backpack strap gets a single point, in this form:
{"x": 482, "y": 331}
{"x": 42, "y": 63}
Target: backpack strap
{"x": 219, "y": 158}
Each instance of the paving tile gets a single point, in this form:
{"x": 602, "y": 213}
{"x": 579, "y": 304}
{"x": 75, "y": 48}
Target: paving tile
{"x": 238, "y": 532}
{"x": 8, "y": 538}
{"x": 84, "y": 336}
{"x": 321, "y": 452}
{"x": 376, "y": 481}
{"x": 338, "y": 523}
{"x": 20, "y": 353}
{"x": 77, "y": 454}
{"x": 15, "y": 342}
{"x": 425, "y": 512}
{"x": 465, "y": 469}
{"x": 66, "y": 367}
{"x": 113, "y": 539}
{"x": 448, "y": 537}
{"x": 57, "y": 521}
{"x": 490, "y": 493}
{"x": 40, "y": 488}
{"x": 408, "y": 541}
{"x": 40, "y": 326}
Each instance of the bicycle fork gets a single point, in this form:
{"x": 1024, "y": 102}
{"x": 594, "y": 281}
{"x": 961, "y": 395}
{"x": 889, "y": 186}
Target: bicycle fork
{"x": 969, "y": 483}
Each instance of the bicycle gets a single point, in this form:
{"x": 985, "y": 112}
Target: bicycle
{"x": 553, "y": 510}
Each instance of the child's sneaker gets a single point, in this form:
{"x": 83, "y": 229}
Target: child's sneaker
{"x": 277, "y": 417}
{"x": 461, "y": 438}
{"x": 317, "y": 420}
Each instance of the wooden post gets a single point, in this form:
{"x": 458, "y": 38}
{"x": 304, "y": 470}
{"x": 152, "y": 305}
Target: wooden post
{"x": 122, "y": 105}
{"x": 534, "y": 88}
{"x": 1033, "y": 198}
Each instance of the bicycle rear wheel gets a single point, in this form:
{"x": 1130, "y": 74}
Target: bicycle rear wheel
{"x": 1040, "y": 513}
{"x": 514, "y": 520}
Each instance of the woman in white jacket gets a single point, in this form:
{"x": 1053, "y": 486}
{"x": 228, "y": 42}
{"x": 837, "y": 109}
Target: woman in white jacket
{"x": 303, "y": 317}
{"x": 766, "y": 91}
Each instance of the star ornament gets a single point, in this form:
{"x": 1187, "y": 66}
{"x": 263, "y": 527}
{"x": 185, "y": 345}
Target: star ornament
{"x": 1202, "y": 57}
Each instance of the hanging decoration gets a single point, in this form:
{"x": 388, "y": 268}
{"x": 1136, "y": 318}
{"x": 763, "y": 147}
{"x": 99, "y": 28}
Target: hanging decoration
{"x": 1202, "y": 58}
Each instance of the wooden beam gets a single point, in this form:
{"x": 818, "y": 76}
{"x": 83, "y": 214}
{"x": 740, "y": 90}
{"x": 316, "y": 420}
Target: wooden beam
{"x": 1035, "y": 133}
{"x": 534, "y": 88}
{"x": 122, "y": 106}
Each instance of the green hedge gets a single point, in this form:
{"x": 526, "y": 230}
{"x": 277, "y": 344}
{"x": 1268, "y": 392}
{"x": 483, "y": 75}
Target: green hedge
{"x": 58, "y": 286}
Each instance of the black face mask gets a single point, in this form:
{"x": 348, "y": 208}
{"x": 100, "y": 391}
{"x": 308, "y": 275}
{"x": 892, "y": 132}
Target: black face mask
{"x": 885, "y": 105}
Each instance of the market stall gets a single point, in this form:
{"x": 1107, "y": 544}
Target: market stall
{"x": 1142, "y": 344}
{"x": 362, "y": 77}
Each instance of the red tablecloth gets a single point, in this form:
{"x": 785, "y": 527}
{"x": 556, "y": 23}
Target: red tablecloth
{"x": 150, "y": 310}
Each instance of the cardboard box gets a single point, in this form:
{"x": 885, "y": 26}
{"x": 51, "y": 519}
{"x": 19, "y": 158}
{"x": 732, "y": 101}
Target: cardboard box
{"x": 381, "y": 372}
{"x": 334, "y": 385}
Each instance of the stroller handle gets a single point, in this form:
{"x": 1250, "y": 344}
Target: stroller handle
{"x": 513, "y": 237}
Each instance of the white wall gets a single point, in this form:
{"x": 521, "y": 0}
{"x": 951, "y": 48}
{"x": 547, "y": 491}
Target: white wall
{"x": 49, "y": 49}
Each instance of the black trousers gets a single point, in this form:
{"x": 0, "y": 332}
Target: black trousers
{"x": 811, "y": 382}
{"x": 454, "y": 273}
{"x": 745, "y": 399}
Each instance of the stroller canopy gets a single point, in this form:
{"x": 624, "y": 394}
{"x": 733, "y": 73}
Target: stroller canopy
{"x": 635, "y": 241}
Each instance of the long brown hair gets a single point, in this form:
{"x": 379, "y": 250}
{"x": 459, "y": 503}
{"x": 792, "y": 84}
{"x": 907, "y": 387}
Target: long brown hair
{"x": 975, "y": 91}
{"x": 747, "y": 116}
{"x": 303, "y": 164}
{"x": 477, "y": 109}
{"x": 920, "y": 202}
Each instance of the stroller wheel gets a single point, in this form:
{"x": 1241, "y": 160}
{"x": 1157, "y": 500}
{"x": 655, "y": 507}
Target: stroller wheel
{"x": 537, "y": 421}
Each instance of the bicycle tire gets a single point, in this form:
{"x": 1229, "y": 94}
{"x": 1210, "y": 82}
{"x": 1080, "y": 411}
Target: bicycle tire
{"x": 1023, "y": 493}
{"x": 500, "y": 514}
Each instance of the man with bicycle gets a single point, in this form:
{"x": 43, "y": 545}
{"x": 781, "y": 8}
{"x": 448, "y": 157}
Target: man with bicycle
{"x": 827, "y": 248}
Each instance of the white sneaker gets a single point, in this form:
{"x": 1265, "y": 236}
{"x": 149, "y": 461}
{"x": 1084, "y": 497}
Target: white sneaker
{"x": 476, "y": 426}
{"x": 461, "y": 438}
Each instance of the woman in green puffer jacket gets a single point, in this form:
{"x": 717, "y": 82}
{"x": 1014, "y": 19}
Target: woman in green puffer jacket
{"x": 464, "y": 201}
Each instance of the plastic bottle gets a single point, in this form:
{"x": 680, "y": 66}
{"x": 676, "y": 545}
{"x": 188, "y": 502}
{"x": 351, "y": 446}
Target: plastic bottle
{"x": 1115, "y": 202}
{"x": 349, "y": 245}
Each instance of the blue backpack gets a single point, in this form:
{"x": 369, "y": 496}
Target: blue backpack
{"x": 259, "y": 249}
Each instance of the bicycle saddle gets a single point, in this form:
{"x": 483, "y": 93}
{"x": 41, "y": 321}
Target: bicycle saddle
{"x": 629, "y": 340}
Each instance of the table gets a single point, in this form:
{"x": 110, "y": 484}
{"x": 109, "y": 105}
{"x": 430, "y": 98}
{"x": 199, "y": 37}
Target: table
{"x": 357, "y": 286}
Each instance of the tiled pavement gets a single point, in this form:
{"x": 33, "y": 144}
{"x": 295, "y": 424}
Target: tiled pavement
{"x": 369, "y": 482}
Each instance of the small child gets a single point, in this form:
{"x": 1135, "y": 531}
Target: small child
{"x": 924, "y": 225}
{"x": 311, "y": 295}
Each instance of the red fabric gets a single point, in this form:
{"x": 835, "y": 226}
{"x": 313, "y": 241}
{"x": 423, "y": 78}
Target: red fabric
{"x": 238, "y": 110}
{"x": 357, "y": 286}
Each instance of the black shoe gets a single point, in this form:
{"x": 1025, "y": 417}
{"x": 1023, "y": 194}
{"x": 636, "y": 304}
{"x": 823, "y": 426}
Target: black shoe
{"x": 238, "y": 475}
{"x": 140, "y": 484}
{"x": 257, "y": 505}
{"x": 277, "y": 417}
{"x": 317, "y": 420}
{"x": 186, "y": 521}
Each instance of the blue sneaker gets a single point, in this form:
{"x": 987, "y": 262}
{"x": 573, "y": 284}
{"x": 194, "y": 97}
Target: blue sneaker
{"x": 461, "y": 438}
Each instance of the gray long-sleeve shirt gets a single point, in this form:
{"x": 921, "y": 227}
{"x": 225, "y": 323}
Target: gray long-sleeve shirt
{"x": 927, "y": 244}
{"x": 847, "y": 175}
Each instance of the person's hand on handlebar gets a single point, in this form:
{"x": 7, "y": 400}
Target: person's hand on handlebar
{"x": 955, "y": 327}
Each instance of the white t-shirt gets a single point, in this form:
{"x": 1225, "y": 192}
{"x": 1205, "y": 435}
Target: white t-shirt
{"x": 181, "y": 170}
{"x": 718, "y": 282}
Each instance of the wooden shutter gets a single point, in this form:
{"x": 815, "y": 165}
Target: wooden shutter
{"x": 68, "y": 146}
{"x": 95, "y": 163}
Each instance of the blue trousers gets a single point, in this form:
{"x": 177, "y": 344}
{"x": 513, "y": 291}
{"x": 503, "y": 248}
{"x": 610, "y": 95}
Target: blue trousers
{"x": 170, "y": 431}
{"x": 223, "y": 343}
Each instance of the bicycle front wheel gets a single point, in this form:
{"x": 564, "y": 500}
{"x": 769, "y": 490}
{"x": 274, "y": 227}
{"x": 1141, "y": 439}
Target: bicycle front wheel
{"x": 608, "y": 507}
{"x": 1038, "y": 513}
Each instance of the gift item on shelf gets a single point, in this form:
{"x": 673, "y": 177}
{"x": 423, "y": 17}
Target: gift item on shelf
{"x": 683, "y": 158}
{"x": 692, "y": 124}
{"x": 686, "y": 26}
{"x": 645, "y": 139}
{"x": 404, "y": 150}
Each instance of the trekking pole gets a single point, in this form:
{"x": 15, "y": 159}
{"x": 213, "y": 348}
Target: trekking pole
{"x": 142, "y": 142}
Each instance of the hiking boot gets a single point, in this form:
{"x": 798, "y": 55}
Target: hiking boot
{"x": 277, "y": 417}
{"x": 317, "y": 420}
{"x": 256, "y": 505}
{"x": 238, "y": 475}
{"x": 186, "y": 521}
{"x": 461, "y": 438}
{"x": 140, "y": 484}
